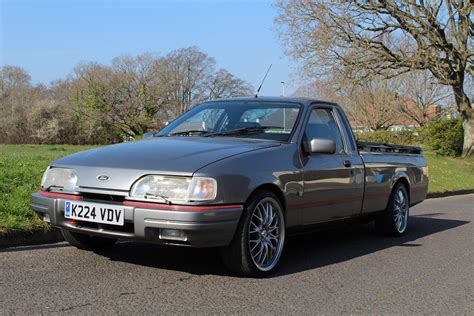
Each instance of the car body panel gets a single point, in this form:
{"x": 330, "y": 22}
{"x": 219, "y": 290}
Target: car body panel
{"x": 384, "y": 170}
{"x": 332, "y": 191}
{"x": 313, "y": 188}
{"x": 277, "y": 166}
{"x": 124, "y": 163}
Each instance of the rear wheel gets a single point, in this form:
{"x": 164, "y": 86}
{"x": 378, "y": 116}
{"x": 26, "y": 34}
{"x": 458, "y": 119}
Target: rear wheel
{"x": 394, "y": 220}
{"x": 259, "y": 239}
{"x": 87, "y": 242}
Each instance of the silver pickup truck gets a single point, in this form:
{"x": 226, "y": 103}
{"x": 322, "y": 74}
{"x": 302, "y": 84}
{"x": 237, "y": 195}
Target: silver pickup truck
{"x": 240, "y": 174}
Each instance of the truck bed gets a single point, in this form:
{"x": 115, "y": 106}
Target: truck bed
{"x": 384, "y": 165}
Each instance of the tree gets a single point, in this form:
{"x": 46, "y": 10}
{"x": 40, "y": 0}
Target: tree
{"x": 16, "y": 95}
{"x": 323, "y": 89}
{"x": 100, "y": 104}
{"x": 371, "y": 104}
{"x": 14, "y": 84}
{"x": 365, "y": 39}
{"x": 188, "y": 77}
{"x": 423, "y": 100}
{"x": 223, "y": 84}
{"x": 93, "y": 98}
{"x": 141, "y": 91}
{"x": 185, "y": 73}
{"x": 128, "y": 95}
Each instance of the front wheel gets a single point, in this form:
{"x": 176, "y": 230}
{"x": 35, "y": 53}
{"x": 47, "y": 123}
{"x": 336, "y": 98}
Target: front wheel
{"x": 259, "y": 239}
{"x": 394, "y": 220}
{"x": 87, "y": 242}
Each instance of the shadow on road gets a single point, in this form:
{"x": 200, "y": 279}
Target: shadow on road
{"x": 303, "y": 252}
{"x": 338, "y": 245}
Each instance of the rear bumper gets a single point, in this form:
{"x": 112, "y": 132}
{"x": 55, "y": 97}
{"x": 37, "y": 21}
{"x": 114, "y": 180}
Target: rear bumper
{"x": 203, "y": 226}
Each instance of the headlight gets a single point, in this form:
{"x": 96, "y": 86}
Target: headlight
{"x": 167, "y": 188}
{"x": 59, "y": 179}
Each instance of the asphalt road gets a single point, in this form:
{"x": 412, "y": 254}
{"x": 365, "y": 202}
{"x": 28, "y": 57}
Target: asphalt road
{"x": 344, "y": 270}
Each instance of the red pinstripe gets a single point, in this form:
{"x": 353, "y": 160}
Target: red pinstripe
{"x": 159, "y": 206}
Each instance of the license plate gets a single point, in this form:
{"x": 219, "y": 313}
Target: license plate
{"x": 94, "y": 212}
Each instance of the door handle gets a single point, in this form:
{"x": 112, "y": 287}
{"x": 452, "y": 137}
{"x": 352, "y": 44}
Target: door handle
{"x": 346, "y": 163}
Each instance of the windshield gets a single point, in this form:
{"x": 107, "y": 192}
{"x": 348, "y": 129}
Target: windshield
{"x": 252, "y": 119}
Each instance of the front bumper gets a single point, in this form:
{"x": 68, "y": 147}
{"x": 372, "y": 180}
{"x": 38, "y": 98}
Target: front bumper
{"x": 203, "y": 226}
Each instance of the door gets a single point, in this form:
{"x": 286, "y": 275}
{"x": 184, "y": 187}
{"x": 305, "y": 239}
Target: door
{"x": 333, "y": 183}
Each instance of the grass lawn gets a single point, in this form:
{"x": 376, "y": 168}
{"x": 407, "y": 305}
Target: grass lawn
{"x": 22, "y": 166}
{"x": 449, "y": 174}
{"x": 21, "y": 169}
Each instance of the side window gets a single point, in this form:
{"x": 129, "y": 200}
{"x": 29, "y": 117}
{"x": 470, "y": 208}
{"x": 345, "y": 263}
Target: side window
{"x": 322, "y": 124}
{"x": 348, "y": 128}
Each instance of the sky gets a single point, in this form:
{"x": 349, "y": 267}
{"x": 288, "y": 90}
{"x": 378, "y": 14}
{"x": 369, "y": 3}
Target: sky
{"x": 49, "y": 38}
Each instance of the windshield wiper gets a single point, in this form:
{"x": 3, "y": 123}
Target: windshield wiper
{"x": 245, "y": 130}
{"x": 237, "y": 131}
{"x": 164, "y": 198}
{"x": 51, "y": 187}
{"x": 190, "y": 132}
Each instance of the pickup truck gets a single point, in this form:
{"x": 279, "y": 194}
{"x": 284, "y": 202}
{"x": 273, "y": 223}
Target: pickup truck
{"x": 240, "y": 174}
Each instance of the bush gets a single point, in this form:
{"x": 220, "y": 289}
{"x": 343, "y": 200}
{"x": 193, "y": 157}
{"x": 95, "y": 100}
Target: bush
{"x": 445, "y": 137}
{"x": 383, "y": 136}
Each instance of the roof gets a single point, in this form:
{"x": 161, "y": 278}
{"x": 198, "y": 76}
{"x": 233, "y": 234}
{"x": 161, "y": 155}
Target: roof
{"x": 305, "y": 101}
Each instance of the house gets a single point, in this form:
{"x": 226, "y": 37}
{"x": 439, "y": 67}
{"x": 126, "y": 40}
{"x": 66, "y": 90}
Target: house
{"x": 404, "y": 115}
{"x": 413, "y": 115}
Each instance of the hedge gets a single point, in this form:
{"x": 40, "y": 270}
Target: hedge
{"x": 444, "y": 137}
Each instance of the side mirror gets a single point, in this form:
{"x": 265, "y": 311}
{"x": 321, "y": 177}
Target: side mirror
{"x": 322, "y": 146}
{"x": 147, "y": 135}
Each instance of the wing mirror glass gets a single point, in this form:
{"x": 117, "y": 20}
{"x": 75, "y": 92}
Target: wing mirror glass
{"x": 322, "y": 146}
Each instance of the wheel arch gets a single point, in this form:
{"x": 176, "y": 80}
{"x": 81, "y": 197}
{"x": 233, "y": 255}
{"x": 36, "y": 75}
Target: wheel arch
{"x": 403, "y": 180}
{"x": 272, "y": 188}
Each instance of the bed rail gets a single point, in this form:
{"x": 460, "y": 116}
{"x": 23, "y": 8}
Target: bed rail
{"x": 388, "y": 148}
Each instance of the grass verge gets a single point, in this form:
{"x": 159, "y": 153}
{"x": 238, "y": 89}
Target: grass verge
{"x": 449, "y": 174}
{"x": 21, "y": 169}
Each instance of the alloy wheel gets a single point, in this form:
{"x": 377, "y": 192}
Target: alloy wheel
{"x": 400, "y": 210}
{"x": 266, "y": 234}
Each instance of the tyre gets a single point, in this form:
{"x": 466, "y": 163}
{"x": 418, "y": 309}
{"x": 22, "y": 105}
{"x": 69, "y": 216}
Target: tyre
{"x": 258, "y": 242}
{"x": 394, "y": 220}
{"x": 87, "y": 242}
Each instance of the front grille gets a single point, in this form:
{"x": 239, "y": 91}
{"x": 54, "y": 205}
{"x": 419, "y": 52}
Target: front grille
{"x": 102, "y": 197}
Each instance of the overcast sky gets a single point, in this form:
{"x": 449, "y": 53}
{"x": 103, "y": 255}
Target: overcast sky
{"x": 48, "y": 38}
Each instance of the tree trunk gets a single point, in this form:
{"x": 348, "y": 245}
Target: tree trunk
{"x": 468, "y": 126}
{"x": 467, "y": 115}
